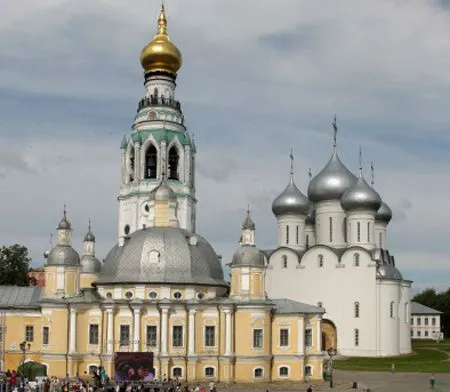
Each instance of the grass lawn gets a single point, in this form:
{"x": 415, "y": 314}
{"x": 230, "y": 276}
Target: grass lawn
{"x": 428, "y": 357}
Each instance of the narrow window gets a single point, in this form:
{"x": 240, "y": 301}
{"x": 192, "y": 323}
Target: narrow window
{"x": 358, "y": 232}
{"x": 284, "y": 261}
{"x": 29, "y": 333}
{"x": 406, "y": 312}
{"x": 308, "y": 370}
{"x": 258, "y": 373}
{"x": 356, "y": 259}
{"x": 320, "y": 260}
{"x": 296, "y": 234}
{"x": 45, "y": 335}
{"x": 287, "y": 235}
{"x": 331, "y": 228}
{"x": 93, "y": 369}
{"x": 210, "y": 336}
{"x": 308, "y": 337}
{"x": 356, "y": 309}
{"x": 426, "y": 333}
{"x": 177, "y": 372}
{"x": 368, "y": 231}
{"x": 132, "y": 164}
{"x": 307, "y": 241}
{"x": 177, "y": 336}
{"x": 381, "y": 240}
{"x": 391, "y": 310}
{"x": 124, "y": 335}
{"x": 412, "y": 320}
{"x": 345, "y": 229}
{"x": 173, "y": 164}
{"x": 257, "y": 338}
{"x": 284, "y": 371}
{"x": 433, "y": 321}
{"x": 151, "y": 162}
{"x": 284, "y": 337}
{"x": 418, "y": 334}
{"x": 426, "y": 320}
{"x": 93, "y": 334}
{"x": 151, "y": 335}
{"x": 1, "y": 334}
{"x": 209, "y": 371}
{"x": 356, "y": 337}
{"x": 419, "y": 321}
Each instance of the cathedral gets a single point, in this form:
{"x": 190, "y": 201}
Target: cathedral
{"x": 161, "y": 288}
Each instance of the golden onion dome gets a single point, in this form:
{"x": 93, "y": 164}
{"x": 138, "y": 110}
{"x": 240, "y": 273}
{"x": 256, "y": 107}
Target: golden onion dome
{"x": 161, "y": 54}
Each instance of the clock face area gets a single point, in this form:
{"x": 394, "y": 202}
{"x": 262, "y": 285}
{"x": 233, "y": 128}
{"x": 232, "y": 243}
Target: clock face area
{"x": 152, "y": 115}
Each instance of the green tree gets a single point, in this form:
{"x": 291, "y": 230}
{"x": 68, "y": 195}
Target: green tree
{"x": 14, "y": 265}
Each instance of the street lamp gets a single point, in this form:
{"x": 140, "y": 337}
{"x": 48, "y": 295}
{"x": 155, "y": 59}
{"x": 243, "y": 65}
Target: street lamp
{"x": 24, "y": 347}
{"x": 331, "y": 352}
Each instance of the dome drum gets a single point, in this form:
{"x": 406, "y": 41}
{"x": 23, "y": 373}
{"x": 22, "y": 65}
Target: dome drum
{"x": 248, "y": 255}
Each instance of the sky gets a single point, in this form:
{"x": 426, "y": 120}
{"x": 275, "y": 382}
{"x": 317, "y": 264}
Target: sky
{"x": 258, "y": 79}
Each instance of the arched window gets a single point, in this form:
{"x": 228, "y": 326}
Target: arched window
{"x": 308, "y": 370}
{"x": 177, "y": 372}
{"x": 344, "y": 224}
{"x": 92, "y": 369}
{"x": 283, "y": 371}
{"x": 209, "y": 371}
{"x": 132, "y": 164}
{"x": 307, "y": 241}
{"x": 284, "y": 261}
{"x": 296, "y": 234}
{"x": 331, "y": 228}
{"x": 358, "y": 232}
{"x": 174, "y": 159}
{"x": 356, "y": 259}
{"x": 356, "y": 310}
{"x": 258, "y": 372}
{"x": 391, "y": 309}
{"x": 368, "y": 231}
{"x": 320, "y": 259}
{"x": 287, "y": 235}
{"x": 356, "y": 337}
{"x": 151, "y": 163}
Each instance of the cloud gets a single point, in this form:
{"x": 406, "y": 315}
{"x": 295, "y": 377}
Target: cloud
{"x": 251, "y": 88}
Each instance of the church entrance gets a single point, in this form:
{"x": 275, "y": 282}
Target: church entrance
{"x": 329, "y": 335}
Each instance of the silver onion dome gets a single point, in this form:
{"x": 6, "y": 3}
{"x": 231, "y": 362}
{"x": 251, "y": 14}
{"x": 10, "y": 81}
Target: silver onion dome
{"x": 331, "y": 182}
{"x": 90, "y": 264}
{"x": 64, "y": 224}
{"x": 311, "y": 217}
{"x": 290, "y": 201}
{"x": 384, "y": 214}
{"x": 163, "y": 191}
{"x": 361, "y": 197}
{"x": 248, "y": 255}
{"x": 89, "y": 237}
{"x": 63, "y": 255}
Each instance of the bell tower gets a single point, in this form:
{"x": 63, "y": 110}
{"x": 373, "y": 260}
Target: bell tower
{"x": 159, "y": 142}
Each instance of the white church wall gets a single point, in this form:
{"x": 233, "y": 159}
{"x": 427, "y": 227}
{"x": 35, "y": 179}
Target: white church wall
{"x": 390, "y": 314}
{"x": 361, "y": 229}
{"x": 330, "y": 214}
{"x": 380, "y": 235}
{"x": 405, "y": 326}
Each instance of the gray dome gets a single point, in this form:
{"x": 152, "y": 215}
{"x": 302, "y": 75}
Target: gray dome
{"x": 384, "y": 214}
{"x": 290, "y": 201}
{"x": 163, "y": 255}
{"x": 248, "y": 223}
{"x": 64, "y": 224}
{"x": 388, "y": 271}
{"x": 361, "y": 197}
{"x": 90, "y": 264}
{"x": 89, "y": 237}
{"x": 332, "y": 181}
{"x": 63, "y": 255}
{"x": 163, "y": 191}
{"x": 311, "y": 217}
{"x": 248, "y": 255}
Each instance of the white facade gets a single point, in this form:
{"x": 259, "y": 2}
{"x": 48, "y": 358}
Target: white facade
{"x": 347, "y": 270}
{"x": 425, "y": 323}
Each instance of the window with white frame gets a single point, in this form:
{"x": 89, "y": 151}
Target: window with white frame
{"x": 308, "y": 370}
{"x": 356, "y": 259}
{"x": 344, "y": 224}
{"x": 124, "y": 334}
{"x": 412, "y": 320}
{"x": 368, "y": 231}
{"x": 151, "y": 335}
{"x": 210, "y": 336}
{"x": 356, "y": 310}
{"x": 45, "y": 335}
{"x": 284, "y": 261}
{"x": 258, "y": 338}
{"x": 29, "y": 333}
{"x": 307, "y": 241}
{"x": 209, "y": 371}
{"x": 419, "y": 321}
{"x": 358, "y": 231}
{"x": 433, "y": 321}
{"x": 258, "y": 373}
{"x": 356, "y": 337}
{"x": 308, "y": 337}
{"x": 296, "y": 234}
{"x": 284, "y": 337}
{"x": 177, "y": 336}
{"x": 283, "y": 371}
{"x": 330, "y": 219}
{"x": 391, "y": 309}
{"x": 320, "y": 260}
{"x": 426, "y": 321}
{"x": 177, "y": 372}
{"x": 93, "y": 333}
{"x": 426, "y": 334}
{"x": 287, "y": 234}
{"x": 93, "y": 369}
{"x": 418, "y": 334}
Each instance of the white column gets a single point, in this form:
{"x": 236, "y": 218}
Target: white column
{"x": 137, "y": 329}
{"x": 191, "y": 343}
{"x": 73, "y": 331}
{"x": 319, "y": 334}
{"x": 300, "y": 336}
{"x": 164, "y": 330}
{"x": 227, "y": 332}
{"x": 110, "y": 332}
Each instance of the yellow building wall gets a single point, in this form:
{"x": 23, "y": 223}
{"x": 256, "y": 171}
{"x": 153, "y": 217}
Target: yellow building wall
{"x": 57, "y": 321}
{"x": 246, "y": 320}
{"x": 86, "y": 280}
{"x": 257, "y": 283}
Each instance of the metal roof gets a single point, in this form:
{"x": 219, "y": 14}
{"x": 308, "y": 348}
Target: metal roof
{"x": 287, "y": 306}
{"x": 417, "y": 308}
{"x": 19, "y": 297}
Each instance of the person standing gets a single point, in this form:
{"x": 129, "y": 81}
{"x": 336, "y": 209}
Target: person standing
{"x": 432, "y": 381}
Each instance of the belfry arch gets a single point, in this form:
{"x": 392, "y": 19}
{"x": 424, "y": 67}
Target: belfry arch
{"x": 174, "y": 161}
{"x": 151, "y": 162}
{"x": 329, "y": 335}
{"x": 131, "y": 164}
